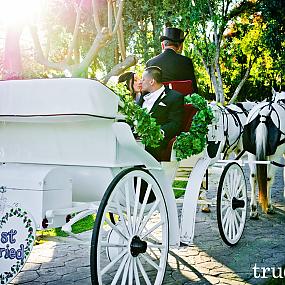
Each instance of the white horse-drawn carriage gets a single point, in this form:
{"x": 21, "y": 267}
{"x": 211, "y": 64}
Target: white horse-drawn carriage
{"x": 65, "y": 155}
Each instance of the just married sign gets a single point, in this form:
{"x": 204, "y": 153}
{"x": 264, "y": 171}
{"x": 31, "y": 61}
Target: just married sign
{"x": 17, "y": 235}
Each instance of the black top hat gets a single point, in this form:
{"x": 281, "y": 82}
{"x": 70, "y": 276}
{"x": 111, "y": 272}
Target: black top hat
{"x": 173, "y": 34}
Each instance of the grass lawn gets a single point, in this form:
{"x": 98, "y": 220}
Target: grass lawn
{"x": 79, "y": 227}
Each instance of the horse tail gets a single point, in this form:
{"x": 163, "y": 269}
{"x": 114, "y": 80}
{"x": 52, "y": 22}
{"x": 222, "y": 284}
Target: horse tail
{"x": 261, "y": 169}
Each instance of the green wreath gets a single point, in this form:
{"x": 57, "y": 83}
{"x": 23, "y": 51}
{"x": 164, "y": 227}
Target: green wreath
{"x": 194, "y": 141}
{"x": 18, "y": 212}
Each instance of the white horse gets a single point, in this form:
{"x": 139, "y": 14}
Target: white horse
{"x": 234, "y": 119}
{"x": 264, "y": 138}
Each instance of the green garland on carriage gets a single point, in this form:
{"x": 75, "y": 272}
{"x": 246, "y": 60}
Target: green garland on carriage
{"x": 194, "y": 141}
{"x": 145, "y": 127}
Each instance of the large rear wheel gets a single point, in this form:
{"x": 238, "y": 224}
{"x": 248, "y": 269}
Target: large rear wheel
{"x": 133, "y": 250}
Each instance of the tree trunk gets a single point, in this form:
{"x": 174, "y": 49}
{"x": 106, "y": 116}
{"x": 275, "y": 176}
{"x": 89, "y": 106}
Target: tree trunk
{"x": 221, "y": 94}
{"x": 12, "y": 54}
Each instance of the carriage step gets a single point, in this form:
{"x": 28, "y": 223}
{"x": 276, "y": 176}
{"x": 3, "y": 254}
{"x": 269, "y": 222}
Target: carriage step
{"x": 211, "y": 202}
{"x": 181, "y": 178}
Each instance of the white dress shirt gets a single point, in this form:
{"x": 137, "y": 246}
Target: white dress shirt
{"x": 150, "y": 98}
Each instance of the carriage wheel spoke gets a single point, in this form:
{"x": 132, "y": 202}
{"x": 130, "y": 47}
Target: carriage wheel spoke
{"x": 122, "y": 218}
{"x": 240, "y": 191}
{"x": 236, "y": 225}
{"x": 107, "y": 244}
{"x": 116, "y": 229}
{"x": 113, "y": 262}
{"x": 233, "y": 229}
{"x": 131, "y": 271}
{"x": 143, "y": 206}
{"x": 237, "y": 184}
{"x": 136, "y": 273}
{"x": 152, "y": 229}
{"x": 144, "y": 274}
{"x": 137, "y": 196}
{"x": 228, "y": 184}
{"x": 126, "y": 270}
{"x": 225, "y": 217}
{"x": 128, "y": 208}
{"x": 227, "y": 222}
{"x": 149, "y": 261}
{"x": 231, "y": 179}
{"x": 152, "y": 238}
{"x": 119, "y": 271}
{"x": 239, "y": 219}
{"x": 225, "y": 201}
{"x": 145, "y": 220}
{"x": 225, "y": 207}
{"x": 231, "y": 225}
{"x": 154, "y": 245}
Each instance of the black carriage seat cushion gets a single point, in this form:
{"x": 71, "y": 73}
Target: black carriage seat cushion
{"x": 248, "y": 136}
{"x": 189, "y": 112}
{"x": 185, "y": 87}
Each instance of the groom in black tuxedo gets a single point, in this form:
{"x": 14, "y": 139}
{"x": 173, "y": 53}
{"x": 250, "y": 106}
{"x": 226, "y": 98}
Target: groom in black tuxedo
{"x": 164, "y": 104}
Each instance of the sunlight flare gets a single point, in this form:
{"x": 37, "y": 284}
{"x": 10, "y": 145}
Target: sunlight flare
{"x": 19, "y": 12}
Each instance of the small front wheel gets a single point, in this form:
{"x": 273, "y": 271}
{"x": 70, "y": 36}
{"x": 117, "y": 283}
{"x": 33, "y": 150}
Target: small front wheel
{"x": 231, "y": 203}
{"x": 134, "y": 249}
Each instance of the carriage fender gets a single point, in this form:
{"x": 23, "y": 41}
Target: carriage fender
{"x": 129, "y": 150}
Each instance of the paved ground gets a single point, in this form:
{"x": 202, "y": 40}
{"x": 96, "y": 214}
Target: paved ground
{"x": 208, "y": 261}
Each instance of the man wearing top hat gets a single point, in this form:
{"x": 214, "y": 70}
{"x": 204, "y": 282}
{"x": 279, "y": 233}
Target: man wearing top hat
{"x": 174, "y": 66}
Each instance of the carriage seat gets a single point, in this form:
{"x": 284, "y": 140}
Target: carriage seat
{"x": 185, "y": 87}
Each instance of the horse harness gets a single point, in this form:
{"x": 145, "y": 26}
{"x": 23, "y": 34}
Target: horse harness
{"x": 234, "y": 115}
{"x": 274, "y": 132}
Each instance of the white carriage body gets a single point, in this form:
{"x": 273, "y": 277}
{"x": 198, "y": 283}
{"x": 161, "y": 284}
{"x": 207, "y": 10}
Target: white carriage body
{"x": 37, "y": 189}
{"x": 57, "y": 121}
{"x": 66, "y": 130}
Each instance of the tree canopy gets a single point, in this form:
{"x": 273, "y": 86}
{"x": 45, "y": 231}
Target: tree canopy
{"x": 237, "y": 45}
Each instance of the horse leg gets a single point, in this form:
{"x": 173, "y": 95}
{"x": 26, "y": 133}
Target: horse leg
{"x": 270, "y": 181}
{"x": 271, "y": 176}
{"x": 252, "y": 180}
{"x": 284, "y": 177}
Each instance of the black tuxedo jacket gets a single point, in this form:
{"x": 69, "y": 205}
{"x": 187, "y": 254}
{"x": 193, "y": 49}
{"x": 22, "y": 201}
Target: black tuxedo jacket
{"x": 168, "y": 112}
{"x": 174, "y": 67}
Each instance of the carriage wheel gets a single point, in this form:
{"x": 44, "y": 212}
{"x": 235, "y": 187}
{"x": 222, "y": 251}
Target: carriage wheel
{"x": 231, "y": 204}
{"x": 135, "y": 249}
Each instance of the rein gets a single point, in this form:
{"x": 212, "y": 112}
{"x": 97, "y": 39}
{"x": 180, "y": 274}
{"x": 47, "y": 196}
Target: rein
{"x": 277, "y": 163}
{"x": 244, "y": 110}
{"x": 238, "y": 123}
